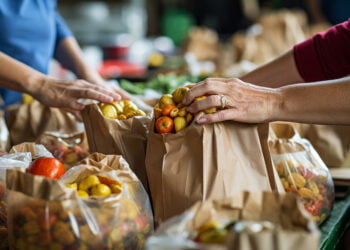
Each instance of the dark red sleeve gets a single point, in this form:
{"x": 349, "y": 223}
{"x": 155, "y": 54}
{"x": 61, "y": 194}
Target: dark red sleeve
{"x": 326, "y": 55}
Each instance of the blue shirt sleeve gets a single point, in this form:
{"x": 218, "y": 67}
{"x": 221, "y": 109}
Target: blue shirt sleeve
{"x": 61, "y": 28}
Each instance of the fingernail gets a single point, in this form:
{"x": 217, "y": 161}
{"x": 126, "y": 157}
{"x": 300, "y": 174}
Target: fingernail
{"x": 202, "y": 120}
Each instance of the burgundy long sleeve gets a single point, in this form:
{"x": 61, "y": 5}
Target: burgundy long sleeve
{"x": 326, "y": 55}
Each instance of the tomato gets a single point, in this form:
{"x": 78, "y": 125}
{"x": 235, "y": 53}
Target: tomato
{"x": 164, "y": 124}
{"x": 107, "y": 181}
{"x": 48, "y": 167}
{"x": 167, "y": 109}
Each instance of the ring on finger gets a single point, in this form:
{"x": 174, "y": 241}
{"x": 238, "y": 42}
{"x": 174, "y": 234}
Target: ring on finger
{"x": 223, "y": 101}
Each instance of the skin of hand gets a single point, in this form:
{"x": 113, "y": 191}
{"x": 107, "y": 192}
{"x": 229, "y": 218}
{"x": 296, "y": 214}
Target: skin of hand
{"x": 19, "y": 77}
{"x": 323, "y": 102}
{"x": 69, "y": 54}
{"x": 245, "y": 102}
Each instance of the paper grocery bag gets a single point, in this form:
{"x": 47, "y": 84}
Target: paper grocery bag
{"x": 332, "y": 143}
{"x": 206, "y": 161}
{"x": 291, "y": 227}
{"x": 27, "y": 122}
{"x": 121, "y": 137}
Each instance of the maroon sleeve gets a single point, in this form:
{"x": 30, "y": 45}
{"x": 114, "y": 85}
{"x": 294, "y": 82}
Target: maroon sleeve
{"x": 326, "y": 55}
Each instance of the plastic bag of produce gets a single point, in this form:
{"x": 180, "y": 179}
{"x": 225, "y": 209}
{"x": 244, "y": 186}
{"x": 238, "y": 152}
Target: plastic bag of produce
{"x": 26, "y": 122}
{"x": 197, "y": 162}
{"x": 121, "y": 133}
{"x": 68, "y": 148}
{"x": 45, "y": 214}
{"x": 20, "y": 156}
{"x": 247, "y": 220}
{"x": 301, "y": 170}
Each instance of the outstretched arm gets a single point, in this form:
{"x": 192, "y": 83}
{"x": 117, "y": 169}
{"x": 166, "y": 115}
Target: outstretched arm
{"x": 17, "y": 76}
{"x": 324, "y": 102}
{"x": 279, "y": 72}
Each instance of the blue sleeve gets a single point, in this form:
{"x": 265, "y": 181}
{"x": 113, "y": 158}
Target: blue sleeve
{"x": 62, "y": 30}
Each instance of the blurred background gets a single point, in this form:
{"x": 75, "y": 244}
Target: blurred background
{"x": 135, "y": 41}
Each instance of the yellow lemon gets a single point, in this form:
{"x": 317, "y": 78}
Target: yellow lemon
{"x": 101, "y": 190}
{"x": 72, "y": 185}
{"x": 88, "y": 182}
{"x": 179, "y": 123}
{"x": 82, "y": 193}
{"x": 109, "y": 111}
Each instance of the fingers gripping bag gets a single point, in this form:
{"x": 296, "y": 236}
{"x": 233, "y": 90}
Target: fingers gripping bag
{"x": 208, "y": 161}
{"x": 121, "y": 134}
{"x": 49, "y": 214}
{"x": 301, "y": 170}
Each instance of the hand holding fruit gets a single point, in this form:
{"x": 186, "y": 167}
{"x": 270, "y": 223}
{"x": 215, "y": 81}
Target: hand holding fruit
{"x": 172, "y": 114}
{"x": 235, "y": 99}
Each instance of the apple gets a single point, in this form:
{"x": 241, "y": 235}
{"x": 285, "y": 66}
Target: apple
{"x": 164, "y": 124}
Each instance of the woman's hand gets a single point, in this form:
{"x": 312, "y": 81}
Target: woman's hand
{"x": 65, "y": 94}
{"x": 245, "y": 102}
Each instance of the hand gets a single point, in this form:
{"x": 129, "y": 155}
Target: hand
{"x": 245, "y": 102}
{"x": 65, "y": 94}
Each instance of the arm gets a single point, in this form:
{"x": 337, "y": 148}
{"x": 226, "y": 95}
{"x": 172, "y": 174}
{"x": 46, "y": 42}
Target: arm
{"x": 70, "y": 56}
{"x": 279, "y": 72}
{"x": 325, "y": 56}
{"x": 17, "y": 76}
{"x": 324, "y": 102}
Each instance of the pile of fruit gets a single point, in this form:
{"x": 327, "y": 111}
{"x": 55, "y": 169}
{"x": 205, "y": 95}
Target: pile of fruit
{"x": 171, "y": 115}
{"x": 96, "y": 185}
{"x": 43, "y": 225}
{"x": 310, "y": 183}
{"x": 121, "y": 110}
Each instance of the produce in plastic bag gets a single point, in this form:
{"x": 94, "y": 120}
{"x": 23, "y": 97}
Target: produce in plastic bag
{"x": 8, "y": 161}
{"x": 301, "y": 170}
{"x": 69, "y": 148}
{"x": 56, "y": 218}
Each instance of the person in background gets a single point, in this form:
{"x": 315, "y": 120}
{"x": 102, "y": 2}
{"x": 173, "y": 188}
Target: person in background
{"x": 308, "y": 84}
{"x": 32, "y": 33}
{"x": 325, "y": 11}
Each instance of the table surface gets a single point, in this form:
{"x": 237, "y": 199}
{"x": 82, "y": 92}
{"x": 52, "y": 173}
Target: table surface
{"x": 337, "y": 223}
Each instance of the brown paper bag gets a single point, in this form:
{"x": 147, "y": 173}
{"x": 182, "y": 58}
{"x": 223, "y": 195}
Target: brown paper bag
{"x": 119, "y": 137}
{"x": 292, "y": 227}
{"x": 206, "y": 161}
{"x": 27, "y": 122}
{"x": 331, "y": 142}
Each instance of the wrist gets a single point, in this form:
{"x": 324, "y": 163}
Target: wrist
{"x": 277, "y": 104}
{"x": 91, "y": 76}
{"x": 33, "y": 83}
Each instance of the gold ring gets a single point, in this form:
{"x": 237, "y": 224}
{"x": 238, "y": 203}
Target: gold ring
{"x": 223, "y": 101}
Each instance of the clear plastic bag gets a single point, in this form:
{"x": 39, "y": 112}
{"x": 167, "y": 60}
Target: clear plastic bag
{"x": 68, "y": 148}
{"x": 301, "y": 170}
{"x": 58, "y": 219}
